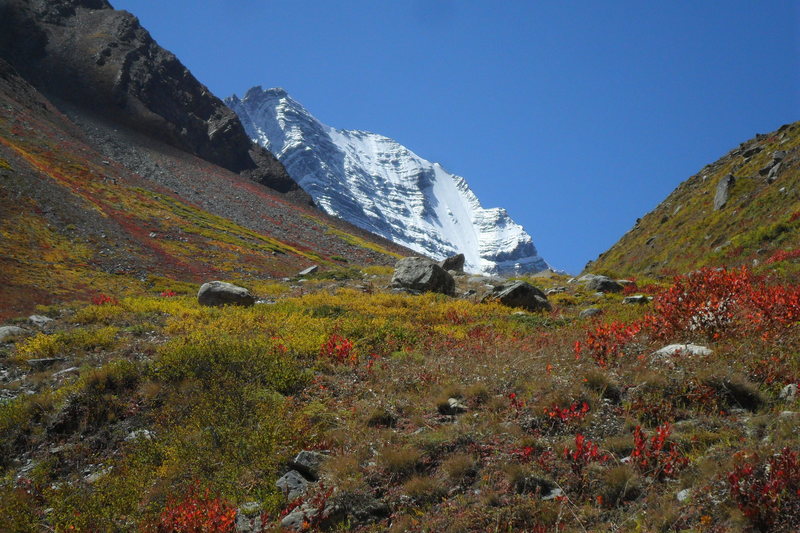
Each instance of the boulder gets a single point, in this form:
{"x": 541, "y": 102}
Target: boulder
{"x": 723, "y": 191}
{"x": 454, "y": 262}
{"x": 520, "y": 294}
{"x": 604, "y": 284}
{"x": 248, "y": 518}
{"x": 423, "y": 275}
{"x": 788, "y": 393}
{"x": 292, "y": 485}
{"x": 45, "y": 362}
{"x": 216, "y": 293}
{"x": 10, "y": 331}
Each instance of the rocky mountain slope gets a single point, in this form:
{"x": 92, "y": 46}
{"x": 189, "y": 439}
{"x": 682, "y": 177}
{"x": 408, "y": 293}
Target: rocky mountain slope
{"x": 381, "y": 186}
{"x": 742, "y": 209}
{"x": 97, "y": 197}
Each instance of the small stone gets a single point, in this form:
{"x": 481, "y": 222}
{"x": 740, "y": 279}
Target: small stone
{"x": 45, "y": 362}
{"x": 39, "y": 321}
{"x": 10, "y": 331}
{"x": 306, "y": 513}
{"x": 70, "y": 370}
{"x": 140, "y": 434}
{"x": 637, "y": 299}
{"x": 248, "y": 518}
{"x": 683, "y": 495}
{"x": 452, "y": 407}
{"x": 589, "y": 312}
{"x": 789, "y": 392}
{"x": 292, "y": 485}
{"x": 683, "y": 349}
{"x": 308, "y": 271}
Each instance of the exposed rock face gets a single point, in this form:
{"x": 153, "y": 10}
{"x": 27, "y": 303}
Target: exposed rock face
{"x": 10, "y": 332}
{"x": 112, "y": 66}
{"x": 423, "y": 275}
{"x": 723, "y": 191}
{"x": 520, "y": 294}
{"x": 379, "y": 185}
{"x": 217, "y": 293}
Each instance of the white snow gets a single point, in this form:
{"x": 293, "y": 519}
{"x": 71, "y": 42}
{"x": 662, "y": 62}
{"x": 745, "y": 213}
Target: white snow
{"x": 379, "y": 185}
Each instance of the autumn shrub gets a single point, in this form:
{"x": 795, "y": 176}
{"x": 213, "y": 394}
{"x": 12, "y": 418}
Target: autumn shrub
{"x": 197, "y": 512}
{"x": 339, "y": 350}
{"x": 767, "y": 492}
{"x": 424, "y": 489}
{"x": 400, "y": 460}
{"x": 656, "y": 456}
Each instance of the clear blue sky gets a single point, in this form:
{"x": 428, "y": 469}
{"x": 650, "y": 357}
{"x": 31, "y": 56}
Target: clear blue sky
{"x": 577, "y": 117}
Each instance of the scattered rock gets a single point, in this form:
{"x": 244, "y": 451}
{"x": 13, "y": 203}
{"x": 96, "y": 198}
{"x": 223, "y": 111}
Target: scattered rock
{"x": 534, "y": 484}
{"x": 10, "y": 331}
{"x": 555, "y": 290}
{"x": 356, "y": 508}
{"x": 308, "y": 271}
{"x": 306, "y": 513}
{"x": 591, "y": 311}
{"x": 637, "y": 299}
{"x": 45, "y": 362}
{"x": 773, "y": 172}
{"x": 788, "y": 393}
{"x": 217, "y": 293}
{"x": 683, "y": 495}
{"x": 723, "y": 191}
{"x": 70, "y": 370}
{"x": 248, "y": 518}
{"x": 683, "y": 349}
{"x": 292, "y": 485}
{"x": 455, "y": 262}
{"x": 307, "y": 463}
{"x": 452, "y": 407}
{"x": 788, "y": 414}
{"x": 604, "y": 284}
{"x": 520, "y": 294}
{"x": 145, "y": 434}
{"x": 421, "y": 274}
{"x": 39, "y": 321}
{"x": 751, "y": 151}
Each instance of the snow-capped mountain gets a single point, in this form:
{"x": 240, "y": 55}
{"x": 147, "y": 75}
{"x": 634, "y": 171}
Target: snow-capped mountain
{"x": 383, "y": 187}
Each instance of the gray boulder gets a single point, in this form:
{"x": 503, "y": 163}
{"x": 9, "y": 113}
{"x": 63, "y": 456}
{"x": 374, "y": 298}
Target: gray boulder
{"x": 589, "y": 312}
{"x": 604, "y": 284}
{"x": 683, "y": 349}
{"x": 723, "y": 191}
{"x": 292, "y": 485}
{"x": 454, "y": 262}
{"x": 452, "y": 407}
{"x": 422, "y": 275}
{"x": 248, "y": 518}
{"x": 308, "y": 463}
{"x": 39, "y": 321}
{"x": 308, "y": 271}
{"x": 10, "y": 331}
{"x": 520, "y": 294}
{"x": 217, "y": 293}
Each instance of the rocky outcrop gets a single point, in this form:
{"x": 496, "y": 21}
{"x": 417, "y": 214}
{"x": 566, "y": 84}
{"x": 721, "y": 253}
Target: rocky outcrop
{"x": 113, "y": 67}
{"x": 218, "y": 293}
{"x": 419, "y": 274}
{"x": 723, "y": 191}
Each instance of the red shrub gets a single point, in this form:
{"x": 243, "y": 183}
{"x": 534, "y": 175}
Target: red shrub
{"x": 565, "y": 415}
{"x": 339, "y": 349}
{"x": 766, "y": 492}
{"x": 197, "y": 513}
{"x": 605, "y": 342}
{"x": 652, "y": 456}
{"x": 104, "y": 299}
{"x": 585, "y": 452}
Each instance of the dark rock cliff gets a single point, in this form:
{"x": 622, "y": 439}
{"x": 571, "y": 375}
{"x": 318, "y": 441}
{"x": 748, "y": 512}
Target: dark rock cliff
{"x": 89, "y": 55}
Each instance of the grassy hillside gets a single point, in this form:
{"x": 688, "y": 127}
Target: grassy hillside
{"x": 159, "y": 412}
{"x": 760, "y": 224}
{"x": 75, "y": 223}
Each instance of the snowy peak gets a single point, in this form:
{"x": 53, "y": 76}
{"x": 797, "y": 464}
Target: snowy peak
{"x": 379, "y": 185}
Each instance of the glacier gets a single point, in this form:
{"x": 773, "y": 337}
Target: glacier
{"x": 383, "y": 187}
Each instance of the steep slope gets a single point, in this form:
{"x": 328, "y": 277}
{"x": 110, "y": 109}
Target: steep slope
{"x": 100, "y": 60}
{"x": 742, "y": 209}
{"x": 379, "y": 185}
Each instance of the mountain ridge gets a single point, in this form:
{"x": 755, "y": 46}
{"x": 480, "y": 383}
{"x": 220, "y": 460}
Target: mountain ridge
{"x": 380, "y": 185}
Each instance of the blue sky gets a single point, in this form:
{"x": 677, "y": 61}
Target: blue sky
{"x": 577, "y": 117}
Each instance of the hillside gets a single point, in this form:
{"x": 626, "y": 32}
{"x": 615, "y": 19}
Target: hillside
{"x": 759, "y": 223}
